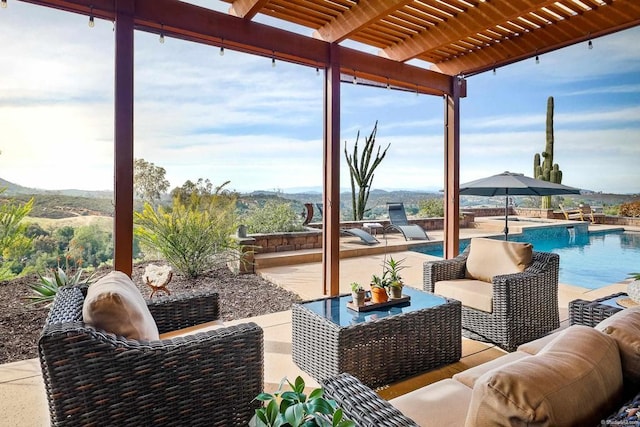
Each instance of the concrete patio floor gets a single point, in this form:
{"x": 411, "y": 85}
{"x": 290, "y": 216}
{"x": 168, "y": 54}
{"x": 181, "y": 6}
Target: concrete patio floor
{"x": 22, "y": 396}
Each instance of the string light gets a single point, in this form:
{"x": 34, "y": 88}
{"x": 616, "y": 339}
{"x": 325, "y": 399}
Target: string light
{"x": 355, "y": 78}
{"x": 537, "y": 59}
{"x": 590, "y": 44}
{"x": 221, "y": 50}
{"x": 273, "y": 62}
{"x": 161, "y": 33}
{"x": 388, "y": 84}
{"x": 494, "y": 71}
{"x": 317, "y": 71}
{"x": 4, "y": 4}
{"x": 91, "y": 22}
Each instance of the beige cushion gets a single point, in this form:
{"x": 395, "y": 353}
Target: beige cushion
{"x": 439, "y": 404}
{"x": 574, "y": 381}
{"x": 489, "y": 257}
{"x": 624, "y": 327}
{"x": 471, "y": 293}
{"x": 115, "y": 305}
{"x": 534, "y": 347}
{"x": 469, "y": 376}
{"x": 192, "y": 330}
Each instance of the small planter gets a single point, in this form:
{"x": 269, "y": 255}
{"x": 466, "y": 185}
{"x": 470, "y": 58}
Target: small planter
{"x": 378, "y": 295}
{"x": 395, "y": 292}
{"x": 358, "y": 298}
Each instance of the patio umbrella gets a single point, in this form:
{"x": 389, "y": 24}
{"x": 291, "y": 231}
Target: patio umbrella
{"x": 513, "y": 184}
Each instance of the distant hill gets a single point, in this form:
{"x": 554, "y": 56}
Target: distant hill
{"x": 14, "y": 189}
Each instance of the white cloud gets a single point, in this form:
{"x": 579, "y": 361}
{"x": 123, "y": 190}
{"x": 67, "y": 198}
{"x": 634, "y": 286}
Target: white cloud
{"x": 234, "y": 117}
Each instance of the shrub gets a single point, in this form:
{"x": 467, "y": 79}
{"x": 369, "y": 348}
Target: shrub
{"x": 193, "y": 236}
{"x": 630, "y": 209}
{"x": 431, "y": 208}
{"x": 273, "y": 217}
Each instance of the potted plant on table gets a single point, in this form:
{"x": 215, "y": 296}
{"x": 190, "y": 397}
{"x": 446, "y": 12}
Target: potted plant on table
{"x": 294, "y": 408}
{"x": 379, "y": 289}
{"x": 358, "y": 294}
{"x": 394, "y": 282}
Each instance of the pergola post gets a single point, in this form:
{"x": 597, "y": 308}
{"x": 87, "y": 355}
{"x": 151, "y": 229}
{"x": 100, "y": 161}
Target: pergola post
{"x": 452, "y": 168}
{"x": 123, "y": 155}
{"x": 331, "y": 176}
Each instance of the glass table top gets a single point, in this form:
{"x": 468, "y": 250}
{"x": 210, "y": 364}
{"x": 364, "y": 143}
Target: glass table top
{"x": 613, "y": 301}
{"x": 336, "y": 310}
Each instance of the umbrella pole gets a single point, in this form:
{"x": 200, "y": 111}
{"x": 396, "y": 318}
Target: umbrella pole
{"x": 506, "y": 216}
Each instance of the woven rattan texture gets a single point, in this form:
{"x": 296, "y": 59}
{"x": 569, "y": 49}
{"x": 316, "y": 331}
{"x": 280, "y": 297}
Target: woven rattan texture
{"x": 590, "y": 313}
{"x": 362, "y": 405}
{"x": 525, "y": 305}
{"x": 96, "y": 378}
{"x": 377, "y": 352}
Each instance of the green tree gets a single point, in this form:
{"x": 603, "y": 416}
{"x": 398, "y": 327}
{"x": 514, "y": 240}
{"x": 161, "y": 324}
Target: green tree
{"x": 149, "y": 180}
{"x": 14, "y": 244}
{"x": 194, "y": 235}
{"x": 273, "y": 217}
{"x": 361, "y": 171}
{"x": 431, "y": 208}
{"x": 91, "y": 246}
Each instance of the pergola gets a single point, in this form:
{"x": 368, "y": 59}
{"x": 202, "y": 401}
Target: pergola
{"x": 454, "y": 39}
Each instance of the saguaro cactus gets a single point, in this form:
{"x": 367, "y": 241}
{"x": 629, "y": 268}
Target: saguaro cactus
{"x": 361, "y": 171}
{"x": 547, "y": 171}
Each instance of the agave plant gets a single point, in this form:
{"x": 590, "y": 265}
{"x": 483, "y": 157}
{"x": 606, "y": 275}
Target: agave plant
{"x": 46, "y": 289}
{"x": 635, "y": 276}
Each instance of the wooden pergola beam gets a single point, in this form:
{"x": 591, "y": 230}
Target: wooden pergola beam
{"x": 589, "y": 25}
{"x": 468, "y": 24}
{"x": 356, "y": 18}
{"x": 246, "y": 9}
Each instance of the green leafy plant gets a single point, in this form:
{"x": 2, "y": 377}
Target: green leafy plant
{"x": 392, "y": 269}
{"x": 356, "y": 287}
{"x": 46, "y": 289}
{"x": 293, "y": 408}
{"x": 273, "y": 217}
{"x": 195, "y": 235}
{"x": 635, "y": 276}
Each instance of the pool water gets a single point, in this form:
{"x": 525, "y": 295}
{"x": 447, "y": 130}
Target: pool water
{"x": 589, "y": 260}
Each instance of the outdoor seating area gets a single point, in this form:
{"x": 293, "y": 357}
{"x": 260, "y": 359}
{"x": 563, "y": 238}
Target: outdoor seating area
{"x": 278, "y": 336}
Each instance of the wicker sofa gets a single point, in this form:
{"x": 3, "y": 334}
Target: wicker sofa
{"x": 93, "y": 377}
{"x": 509, "y": 292}
{"x": 580, "y": 376}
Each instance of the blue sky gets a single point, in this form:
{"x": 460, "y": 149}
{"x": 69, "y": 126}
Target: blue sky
{"x": 235, "y": 117}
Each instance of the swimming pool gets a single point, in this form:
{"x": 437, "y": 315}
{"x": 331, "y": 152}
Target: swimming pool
{"x": 590, "y": 260}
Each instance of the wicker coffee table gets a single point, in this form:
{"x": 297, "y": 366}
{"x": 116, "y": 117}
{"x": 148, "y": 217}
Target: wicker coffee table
{"x": 590, "y": 313}
{"x": 380, "y": 346}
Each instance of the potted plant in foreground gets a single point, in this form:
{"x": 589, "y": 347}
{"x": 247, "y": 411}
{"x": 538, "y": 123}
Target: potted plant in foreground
{"x": 394, "y": 282}
{"x": 357, "y": 293}
{"x": 294, "y": 409}
{"x": 378, "y": 289}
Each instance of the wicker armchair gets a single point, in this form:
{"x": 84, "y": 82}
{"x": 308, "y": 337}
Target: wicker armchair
{"x": 93, "y": 377}
{"x": 362, "y": 405}
{"x": 525, "y": 305}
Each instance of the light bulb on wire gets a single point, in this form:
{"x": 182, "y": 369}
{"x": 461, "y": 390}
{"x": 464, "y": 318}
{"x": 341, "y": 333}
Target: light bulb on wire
{"x": 4, "y": 4}
{"x": 537, "y": 59}
{"x": 590, "y": 44}
{"x": 221, "y": 50}
{"x": 161, "y": 40}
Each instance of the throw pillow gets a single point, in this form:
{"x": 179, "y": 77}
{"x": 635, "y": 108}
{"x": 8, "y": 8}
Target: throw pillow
{"x": 115, "y": 305}
{"x": 624, "y": 327}
{"x": 489, "y": 257}
{"x": 575, "y": 380}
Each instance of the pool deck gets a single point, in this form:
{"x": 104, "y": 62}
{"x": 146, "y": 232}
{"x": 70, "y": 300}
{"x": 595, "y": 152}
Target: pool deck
{"x": 22, "y": 396}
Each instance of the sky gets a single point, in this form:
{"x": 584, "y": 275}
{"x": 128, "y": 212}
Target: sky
{"x": 236, "y": 118}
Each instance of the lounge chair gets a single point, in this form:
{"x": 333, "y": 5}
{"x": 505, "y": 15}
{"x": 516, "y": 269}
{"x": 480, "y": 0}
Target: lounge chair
{"x": 363, "y": 235}
{"x": 398, "y": 220}
{"x": 571, "y": 214}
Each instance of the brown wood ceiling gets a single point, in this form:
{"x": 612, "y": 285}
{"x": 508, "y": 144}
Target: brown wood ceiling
{"x": 455, "y": 36}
